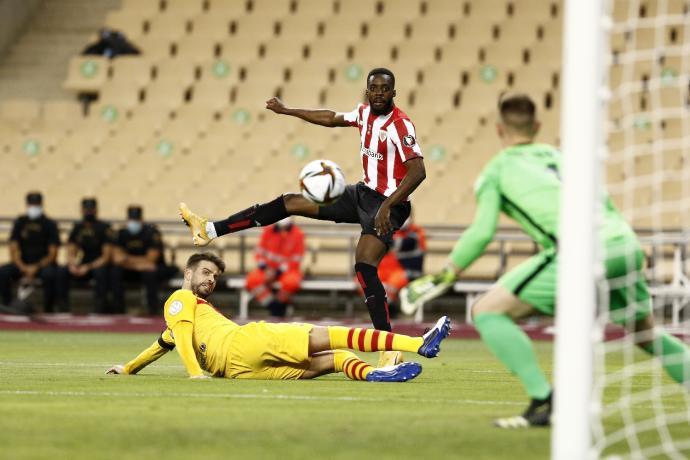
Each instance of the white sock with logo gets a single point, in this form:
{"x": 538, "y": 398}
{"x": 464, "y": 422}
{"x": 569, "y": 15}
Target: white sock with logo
{"x": 211, "y": 230}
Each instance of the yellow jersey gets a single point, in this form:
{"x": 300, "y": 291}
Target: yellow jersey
{"x": 200, "y": 333}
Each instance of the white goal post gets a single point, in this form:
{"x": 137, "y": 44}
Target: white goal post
{"x": 581, "y": 135}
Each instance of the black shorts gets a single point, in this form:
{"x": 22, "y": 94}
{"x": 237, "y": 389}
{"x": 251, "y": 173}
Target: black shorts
{"x": 359, "y": 205}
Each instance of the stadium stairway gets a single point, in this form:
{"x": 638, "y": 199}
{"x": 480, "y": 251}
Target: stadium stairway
{"x": 34, "y": 66}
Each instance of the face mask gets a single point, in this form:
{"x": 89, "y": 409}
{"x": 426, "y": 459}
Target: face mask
{"x": 34, "y": 211}
{"x": 134, "y": 226}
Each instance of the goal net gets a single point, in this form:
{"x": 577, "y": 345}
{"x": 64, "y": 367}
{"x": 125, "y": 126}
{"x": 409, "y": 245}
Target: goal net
{"x": 631, "y": 407}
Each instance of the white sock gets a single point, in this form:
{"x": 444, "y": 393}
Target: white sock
{"x": 211, "y": 230}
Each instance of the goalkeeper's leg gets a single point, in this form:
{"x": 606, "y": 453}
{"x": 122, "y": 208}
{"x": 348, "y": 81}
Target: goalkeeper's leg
{"x": 674, "y": 354}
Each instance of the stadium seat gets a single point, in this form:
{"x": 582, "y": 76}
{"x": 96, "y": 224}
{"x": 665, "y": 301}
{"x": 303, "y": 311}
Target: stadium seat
{"x": 86, "y": 74}
{"x": 155, "y": 48}
{"x": 431, "y": 29}
{"x": 302, "y": 93}
{"x": 460, "y": 52}
{"x": 121, "y": 95}
{"x": 215, "y": 28}
{"x": 170, "y": 26}
{"x": 379, "y": 34}
{"x": 61, "y": 114}
{"x": 197, "y": 48}
{"x": 315, "y": 8}
{"x": 299, "y": 29}
{"x": 402, "y": 11}
{"x": 185, "y": 8}
{"x": 135, "y": 70}
{"x": 236, "y": 51}
{"x": 415, "y": 53}
{"x": 165, "y": 95}
{"x": 443, "y": 9}
{"x": 265, "y": 73}
{"x": 356, "y": 8}
{"x": 20, "y": 112}
{"x": 284, "y": 51}
{"x": 273, "y": 9}
{"x": 145, "y": 8}
{"x": 212, "y": 95}
{"x": 254, "y": 29}
{"x": 345, "y": 28}
{"x": 175, "y": 71}
{"x": 327, "y": 52}
{"x": 532, "y": 11}
{"x": 126, "y": 21}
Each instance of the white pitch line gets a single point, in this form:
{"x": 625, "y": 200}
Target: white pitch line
{"x": 252, "y": 396}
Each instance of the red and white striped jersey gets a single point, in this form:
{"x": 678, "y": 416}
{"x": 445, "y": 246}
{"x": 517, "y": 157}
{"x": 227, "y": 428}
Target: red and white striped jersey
{"x": 386, "y": 142}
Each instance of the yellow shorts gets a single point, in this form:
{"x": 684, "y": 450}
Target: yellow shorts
{"x": 268, "y": 351}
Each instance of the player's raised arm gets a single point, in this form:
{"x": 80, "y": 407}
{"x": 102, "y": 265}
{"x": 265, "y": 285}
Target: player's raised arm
{"x": 322, "y": 117}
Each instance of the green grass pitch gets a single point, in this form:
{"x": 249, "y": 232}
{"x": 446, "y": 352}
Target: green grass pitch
{"x": 56, "y": 402}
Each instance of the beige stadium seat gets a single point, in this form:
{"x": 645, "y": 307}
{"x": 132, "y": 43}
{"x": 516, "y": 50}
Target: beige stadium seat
{"x": 120, "y": 94}
{"x": 171, "y": 71}
{"x": 197, "y": 117}
{"x": 155, "y": 48}
{"x": 127, "y": 22}
{"x": 356, "y": 8}
{"x": 302, "y": 93}
{"x": 403, "y": 11}
{"x": 343, "y": 99}
{"x": 61, "y": 113}
{"x": 415, "y": 53}
{"x": 432, "y": 30}
{"x": 20, "y": 111}
{"x": 227, "y": 9}
{"x": 315, "y": 8}
{"x": 366, "y": 51}
{"x": 439, "y": 101}
{"x": 444, "y": 76}
{"x": 345, "y": 28}
{"x": 266, "y": 73}
{"x": 172, "y": 27}
{"x": 298, "y": 29}
{"x": 545, "y": 53}
{"x": 533, "y": 11}
{"x": 165, "y": 95}
{"x": 186, "y": 8}
{"x": 135, "y": 70}
{"x": 378, "y": 34}
{"x": 271, "y": 8}
{"x": 327, "y": 51}
{"x": 252, "y": 98}
{"x": 215, "y": 27}
{"x": 460, "y": 52}
{"x": 476, "y": 30}
{"x": 281, "y": 50}
{"x": 309, "y": 71}
{"x": 237, "y": 50}
{"x": 145, "y": 8}
{"x": 254, "y": 29}
{"x": 506, "y": 55}
{"x": 219, "y": 71}
{"x": 481, "y": 10}
{"x": 86, "y": 73}
{"x": 211, "y": 95}
{"x": 517, "y": 31}
{"x": 197, "y": 48}
{"x": 535, "y": 79}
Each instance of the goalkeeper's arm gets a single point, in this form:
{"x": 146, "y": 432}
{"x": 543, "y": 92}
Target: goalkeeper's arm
{"x": 468, "y": 248}
{"x": 157, "y": 349}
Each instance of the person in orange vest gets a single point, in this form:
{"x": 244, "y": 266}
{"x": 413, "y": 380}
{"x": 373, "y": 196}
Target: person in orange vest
{"x": 279, "y": 256}
{"x": 404, "y": 262}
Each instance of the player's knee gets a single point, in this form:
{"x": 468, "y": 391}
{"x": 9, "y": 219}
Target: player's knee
{"x": 291, "y": 281}
{"x": 296, "y": 204}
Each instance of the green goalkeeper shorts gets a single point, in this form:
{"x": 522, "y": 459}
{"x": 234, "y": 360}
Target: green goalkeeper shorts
{"x": 624, "y": 290}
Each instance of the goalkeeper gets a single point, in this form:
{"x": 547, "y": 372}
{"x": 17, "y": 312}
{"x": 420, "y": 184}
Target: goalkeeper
{"x": 208, "y": 341}
{"x": 523, "y": 182}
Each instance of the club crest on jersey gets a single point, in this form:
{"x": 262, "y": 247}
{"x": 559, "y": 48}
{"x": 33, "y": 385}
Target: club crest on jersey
{"x": 175, "y": 307}
{"x": 409, "y": 141}
{"x": 383, "y": 136}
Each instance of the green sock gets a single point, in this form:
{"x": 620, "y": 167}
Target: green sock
{"x": 675, "y": 356}
{"x": 512, "y": 346}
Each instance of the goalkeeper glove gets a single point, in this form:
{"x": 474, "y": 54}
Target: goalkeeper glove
{"x": 423, "y": 289}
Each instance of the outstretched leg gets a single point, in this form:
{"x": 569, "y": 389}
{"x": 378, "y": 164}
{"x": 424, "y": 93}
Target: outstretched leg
{"x": 336, "y": 337}
{"x": 259, "y": 215}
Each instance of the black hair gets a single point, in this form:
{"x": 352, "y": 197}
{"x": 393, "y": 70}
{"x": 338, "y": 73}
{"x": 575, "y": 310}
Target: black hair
{"x": 518, "y": 111}
{"x": 195, "y": 258}
{"x": 381, "y": 71}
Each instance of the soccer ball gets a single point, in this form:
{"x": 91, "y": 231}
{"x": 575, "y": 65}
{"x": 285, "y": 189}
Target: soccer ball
{"x": 322, "y": 182}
